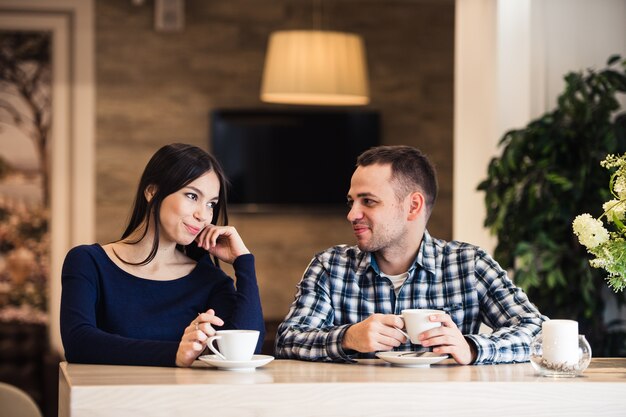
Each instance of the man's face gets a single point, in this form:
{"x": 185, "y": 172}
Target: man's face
{"x": 378, "y": 219}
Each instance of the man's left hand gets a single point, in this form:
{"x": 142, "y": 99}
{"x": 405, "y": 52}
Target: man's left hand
{"x": 448, "y": 339}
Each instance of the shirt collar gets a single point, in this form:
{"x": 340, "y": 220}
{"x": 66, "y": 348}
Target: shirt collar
{"x": 427, "y": 254}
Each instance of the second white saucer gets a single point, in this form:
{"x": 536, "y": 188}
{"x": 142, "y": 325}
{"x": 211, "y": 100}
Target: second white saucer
{"x": 397, "y": 358}
{"x": 251, "y": 365}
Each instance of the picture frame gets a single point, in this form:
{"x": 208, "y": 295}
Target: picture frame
{"x": 72, "y": 135}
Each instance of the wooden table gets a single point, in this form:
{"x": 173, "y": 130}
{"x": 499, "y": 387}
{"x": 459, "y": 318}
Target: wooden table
{"x": 370, "y": 388}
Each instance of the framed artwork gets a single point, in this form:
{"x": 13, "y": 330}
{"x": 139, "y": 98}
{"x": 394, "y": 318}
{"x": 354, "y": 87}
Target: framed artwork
{"x": 47, "y": 183}
{"x": 25, "y": 93}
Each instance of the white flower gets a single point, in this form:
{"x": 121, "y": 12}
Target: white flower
{"x": 590, "y": 231}
{"x": 620, "y": 187}
{"x": 604, "y": 259}
{"x": 614, "y": 208}
{"x": 598, "y": 263}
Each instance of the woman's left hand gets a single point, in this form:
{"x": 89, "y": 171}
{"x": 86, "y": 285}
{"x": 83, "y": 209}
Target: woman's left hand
{"x": 195, "y": 337}
{"x": 222, "y": 242}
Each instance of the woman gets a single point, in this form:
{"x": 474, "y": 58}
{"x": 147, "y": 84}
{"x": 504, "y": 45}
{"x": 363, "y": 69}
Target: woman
{"x": 155, "y": 296}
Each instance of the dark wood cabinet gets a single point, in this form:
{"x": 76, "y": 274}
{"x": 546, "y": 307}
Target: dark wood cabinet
{"x": 27, "y": 362}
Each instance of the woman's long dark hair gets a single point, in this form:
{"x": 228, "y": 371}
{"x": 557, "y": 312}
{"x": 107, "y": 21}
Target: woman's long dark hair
{"x": 171, "y": 168}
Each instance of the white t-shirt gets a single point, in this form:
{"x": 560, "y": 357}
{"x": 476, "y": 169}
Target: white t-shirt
{"x": 396, "y": 280}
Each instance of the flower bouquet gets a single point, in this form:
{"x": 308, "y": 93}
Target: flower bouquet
{"x": 608, "y": 246}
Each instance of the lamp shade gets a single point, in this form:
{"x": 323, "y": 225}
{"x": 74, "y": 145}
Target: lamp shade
{"x": 315, "y": 67}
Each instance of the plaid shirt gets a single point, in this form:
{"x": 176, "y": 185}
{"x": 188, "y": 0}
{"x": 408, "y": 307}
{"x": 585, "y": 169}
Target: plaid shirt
{"x": 343, "y": 286}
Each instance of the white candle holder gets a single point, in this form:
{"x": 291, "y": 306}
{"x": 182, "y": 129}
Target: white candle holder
{"x": 559, "y": 351}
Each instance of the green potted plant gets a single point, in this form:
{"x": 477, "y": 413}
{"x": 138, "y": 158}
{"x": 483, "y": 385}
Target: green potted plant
{"x": 548, "y": 173}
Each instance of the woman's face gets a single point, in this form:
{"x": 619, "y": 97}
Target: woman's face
{"x": 187, "y": 211}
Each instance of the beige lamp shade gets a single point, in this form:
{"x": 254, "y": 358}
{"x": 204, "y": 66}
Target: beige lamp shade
{"x": 315, "y": 67}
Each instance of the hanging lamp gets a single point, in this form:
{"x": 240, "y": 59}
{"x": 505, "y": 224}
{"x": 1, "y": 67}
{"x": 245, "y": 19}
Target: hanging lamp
{"x": 315, "y": 67}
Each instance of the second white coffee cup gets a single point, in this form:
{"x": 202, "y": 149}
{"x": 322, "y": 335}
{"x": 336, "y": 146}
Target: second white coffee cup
{"x": 416, "y": 321}
{"x": 234, "y": 345}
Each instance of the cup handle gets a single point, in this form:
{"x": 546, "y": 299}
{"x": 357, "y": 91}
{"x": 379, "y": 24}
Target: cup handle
{"x": 209, "y": 344}
{"x": 403, "y": 332}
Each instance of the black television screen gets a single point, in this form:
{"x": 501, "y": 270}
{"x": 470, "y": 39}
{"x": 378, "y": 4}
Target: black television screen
{"x": 291, "y": 158}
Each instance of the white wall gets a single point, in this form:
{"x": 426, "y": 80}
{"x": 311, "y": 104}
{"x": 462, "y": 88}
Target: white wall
{"x": 510, "y": 59}
{"x": 475, "y": 114}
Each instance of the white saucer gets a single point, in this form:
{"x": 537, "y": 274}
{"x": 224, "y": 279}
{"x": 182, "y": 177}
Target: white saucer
{"x": 395, "y": 358}
{"x": 255, "y": 362}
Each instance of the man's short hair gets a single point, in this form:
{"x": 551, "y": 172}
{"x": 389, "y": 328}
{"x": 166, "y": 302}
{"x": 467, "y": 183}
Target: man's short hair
{"x": 411, "y": 170}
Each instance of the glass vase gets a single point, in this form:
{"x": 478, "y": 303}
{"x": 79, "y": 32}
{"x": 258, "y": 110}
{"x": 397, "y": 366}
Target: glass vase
{"x": 559, "y": 369}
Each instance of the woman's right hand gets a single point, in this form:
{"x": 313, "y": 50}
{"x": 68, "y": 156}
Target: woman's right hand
{"x": 195, "y": 337}
{"x": 223, "y": 242}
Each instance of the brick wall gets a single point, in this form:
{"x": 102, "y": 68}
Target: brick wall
{"x": 155, "y": 88}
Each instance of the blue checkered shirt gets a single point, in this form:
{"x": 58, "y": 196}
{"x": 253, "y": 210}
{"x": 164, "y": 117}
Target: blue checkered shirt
{"x": 343, "y": 286}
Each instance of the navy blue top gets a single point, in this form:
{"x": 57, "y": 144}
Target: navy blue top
{"x": 109, "y": 316}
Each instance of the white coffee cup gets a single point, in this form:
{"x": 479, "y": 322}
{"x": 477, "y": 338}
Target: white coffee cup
{"x": 416, "y": 321}
{"x": 234, "y": 345}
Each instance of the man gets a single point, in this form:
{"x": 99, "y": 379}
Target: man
{"x": 349, "y": 300}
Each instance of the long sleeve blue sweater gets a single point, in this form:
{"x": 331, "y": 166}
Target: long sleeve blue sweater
{"x": 109, "y": 316}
